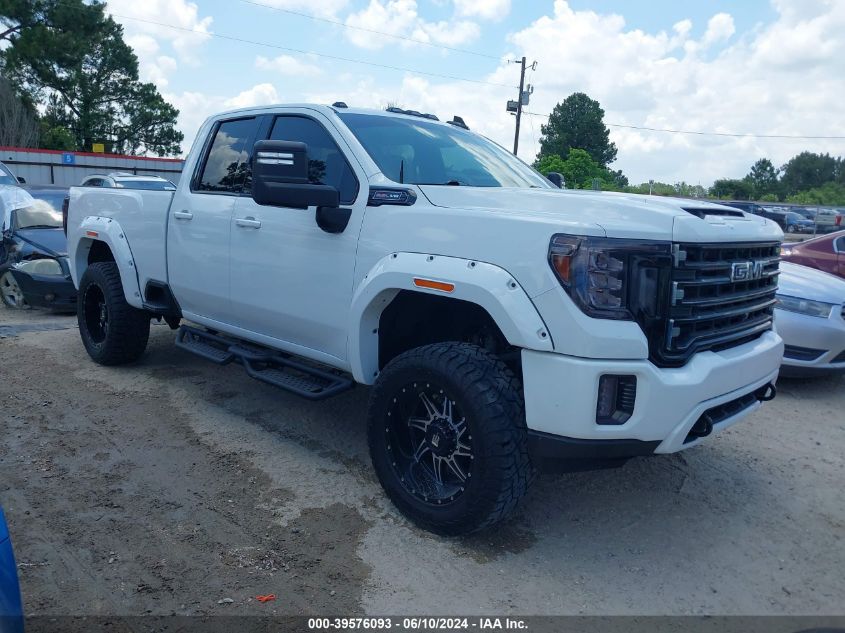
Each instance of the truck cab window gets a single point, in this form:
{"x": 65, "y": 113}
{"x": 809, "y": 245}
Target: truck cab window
{"x": 228, "y": 158}
{"x": 326, "y": 163}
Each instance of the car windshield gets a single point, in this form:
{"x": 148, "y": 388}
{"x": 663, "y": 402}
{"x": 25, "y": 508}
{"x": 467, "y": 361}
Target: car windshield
{"x": 39, "y": 214}
{"x": 151, "y": 185}
{"x": 54, "y": 198}
{"x": 6, "y": 176}
{"x": 417, "y": 151}
{"x": 795, "y": 216}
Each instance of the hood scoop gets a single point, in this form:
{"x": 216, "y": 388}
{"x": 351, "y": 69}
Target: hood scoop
{"x": 710, "y": 212}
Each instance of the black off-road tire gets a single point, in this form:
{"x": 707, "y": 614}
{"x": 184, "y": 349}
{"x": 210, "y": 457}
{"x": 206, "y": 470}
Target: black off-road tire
{"x": 490, "y": 400}
{"x": 124, "y": 335}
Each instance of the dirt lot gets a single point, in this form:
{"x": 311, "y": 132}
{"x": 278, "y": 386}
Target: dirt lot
{"x": 174, "y": 486}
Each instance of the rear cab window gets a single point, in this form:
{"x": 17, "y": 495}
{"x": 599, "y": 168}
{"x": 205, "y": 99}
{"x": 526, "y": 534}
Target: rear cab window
{"x": 226, "y": 161}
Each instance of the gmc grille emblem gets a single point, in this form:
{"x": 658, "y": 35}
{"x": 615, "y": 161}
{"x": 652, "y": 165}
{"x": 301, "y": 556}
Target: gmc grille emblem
{"x": 746, "y": 271}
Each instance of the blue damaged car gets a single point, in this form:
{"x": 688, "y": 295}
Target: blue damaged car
{"x": 11, "y": 609}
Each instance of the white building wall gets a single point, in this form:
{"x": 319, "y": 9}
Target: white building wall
{"x": 46, "y": 167}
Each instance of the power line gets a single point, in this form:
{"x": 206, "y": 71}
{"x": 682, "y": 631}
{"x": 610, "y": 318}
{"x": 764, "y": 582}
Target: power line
{"x": 698, "y": 133}
{"x": 366, "y": 30}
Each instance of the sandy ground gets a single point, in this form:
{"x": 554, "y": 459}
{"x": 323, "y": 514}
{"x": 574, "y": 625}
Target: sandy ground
{"x": 175, "y": 486}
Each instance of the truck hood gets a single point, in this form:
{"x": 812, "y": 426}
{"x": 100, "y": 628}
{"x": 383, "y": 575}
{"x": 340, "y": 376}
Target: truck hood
{"x": 808, "y": 283}
{"x": 616, "y": 214}
{"x": 51, "y": 242}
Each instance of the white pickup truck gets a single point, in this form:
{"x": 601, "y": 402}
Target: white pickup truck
{"x": 504, "y": 324}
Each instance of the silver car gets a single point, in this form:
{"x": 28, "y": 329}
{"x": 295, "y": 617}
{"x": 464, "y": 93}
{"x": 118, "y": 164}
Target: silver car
{"x": 810, "y": 317}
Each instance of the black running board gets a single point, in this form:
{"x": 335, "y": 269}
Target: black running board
{"x": 267, "y": 365}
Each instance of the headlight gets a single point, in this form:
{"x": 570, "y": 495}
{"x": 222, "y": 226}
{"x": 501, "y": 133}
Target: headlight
{"x": 612, "y": 278}
{"x": 40, "y": 267}
{"x": 804, "y": 306}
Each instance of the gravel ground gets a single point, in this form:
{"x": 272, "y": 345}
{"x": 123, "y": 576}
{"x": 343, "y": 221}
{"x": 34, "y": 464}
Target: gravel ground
{"x": 175, "y": 486}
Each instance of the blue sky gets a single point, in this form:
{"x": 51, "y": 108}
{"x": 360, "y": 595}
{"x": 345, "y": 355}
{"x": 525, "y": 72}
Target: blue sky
{"x": 711, "y": 65}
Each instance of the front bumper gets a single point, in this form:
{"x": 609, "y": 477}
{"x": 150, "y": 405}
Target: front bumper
{"x": 561, "y": 393}
{"x": 47, "y": 291}
{"x": 813, "y": 345}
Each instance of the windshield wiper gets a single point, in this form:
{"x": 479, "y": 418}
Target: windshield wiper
{"x": 448, "y": 183}
{"x": 40, "y": 226}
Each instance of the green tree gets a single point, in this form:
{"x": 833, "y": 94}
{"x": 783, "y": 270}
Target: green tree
{"x": 830, "y": 194}
{"x": 763, "y": 178}
{"x": 580, "y": 170}
{"x": 71, "y": 58}
{"x": 578, "y": 123}
{"x": 732, "y": 189}
{"x": 548, "y": 163}
{"x": 808, "y": 171}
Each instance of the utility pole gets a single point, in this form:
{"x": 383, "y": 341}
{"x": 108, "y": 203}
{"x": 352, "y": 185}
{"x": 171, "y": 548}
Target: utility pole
{"x": 519, "y": 107}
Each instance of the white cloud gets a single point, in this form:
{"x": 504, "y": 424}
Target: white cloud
{"x": 159, "y": 71}
{"x": 484, "y": 9}
{"x": 719, "y": 28}
{"x": 260, "y": 94}
{"x": 196, "y": 107}
{"x": 783, "y": 77}
{"x": 401, "y": 18}
{"x": 288, "y": 65}
{"x": 323, "y": 8}
{"x": 143, "y": 13}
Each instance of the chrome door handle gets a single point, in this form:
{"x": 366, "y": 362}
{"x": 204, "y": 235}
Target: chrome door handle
{"x": 183, "y": 215}
{"x": 248, "y": 222}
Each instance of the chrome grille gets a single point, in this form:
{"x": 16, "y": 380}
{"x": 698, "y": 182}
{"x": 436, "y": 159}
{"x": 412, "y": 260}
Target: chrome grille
{"x": 722, "y": 295}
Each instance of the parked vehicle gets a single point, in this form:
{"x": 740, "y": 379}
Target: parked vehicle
{"x": 810, "y": 317}
{"x": 825, "y": 252}
{"x": 745, "y": 205}
{"x": 34, "y": 269}
{"x": 797, "y": 223}
{"x": 11, "y": 607}
{"x": 7, "y": 177}
{"x": 128, "y": 181}
{"x": 504, "y": 323}
{"x": 828, "y": 220}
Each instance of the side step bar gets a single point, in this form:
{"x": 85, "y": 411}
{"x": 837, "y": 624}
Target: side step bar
{"x": 264, "y": 364}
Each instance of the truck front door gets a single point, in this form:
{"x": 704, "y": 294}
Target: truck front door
{"x": 290, "y": 280}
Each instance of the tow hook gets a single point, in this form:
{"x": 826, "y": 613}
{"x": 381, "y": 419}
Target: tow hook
{"x": 766, "y": 392}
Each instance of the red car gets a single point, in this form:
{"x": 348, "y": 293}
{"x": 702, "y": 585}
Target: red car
{"x": 826, "y": 253}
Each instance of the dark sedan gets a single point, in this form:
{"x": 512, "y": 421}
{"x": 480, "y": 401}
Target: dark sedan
{"x": 826, "y": 253}
{"x": 33, "y": 250}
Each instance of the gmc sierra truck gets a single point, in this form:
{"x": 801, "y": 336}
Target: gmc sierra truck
{"x": 505, "y": 325}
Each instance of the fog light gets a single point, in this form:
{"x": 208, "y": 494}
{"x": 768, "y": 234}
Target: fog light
{"x": 616, "y": 399}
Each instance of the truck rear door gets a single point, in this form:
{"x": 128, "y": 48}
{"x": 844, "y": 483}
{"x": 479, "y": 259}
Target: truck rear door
{"x": 200, "y": 221}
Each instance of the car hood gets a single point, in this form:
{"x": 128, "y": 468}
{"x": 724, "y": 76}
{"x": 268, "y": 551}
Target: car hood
{"x": 51, "y": 241}
{"x": 617, "y": 214}
{"x": 808, "y": 283}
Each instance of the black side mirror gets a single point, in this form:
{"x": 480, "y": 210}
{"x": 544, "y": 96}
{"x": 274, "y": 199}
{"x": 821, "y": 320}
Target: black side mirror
{"x": 556, "y": 179}
{"x": 21, "y": 180}
{"x": 280, "y": 177}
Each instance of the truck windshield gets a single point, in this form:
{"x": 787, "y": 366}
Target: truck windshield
{"x": 421, "y": 152}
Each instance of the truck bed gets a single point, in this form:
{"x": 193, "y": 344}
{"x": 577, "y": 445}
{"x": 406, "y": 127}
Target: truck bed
{"x": 141, "y": 214}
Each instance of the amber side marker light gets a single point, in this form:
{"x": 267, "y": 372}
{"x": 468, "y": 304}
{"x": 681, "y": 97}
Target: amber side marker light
{"x": 434, "y": 285}
{"x": 92, "y": 234}
{"x": 562, "y": 264}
